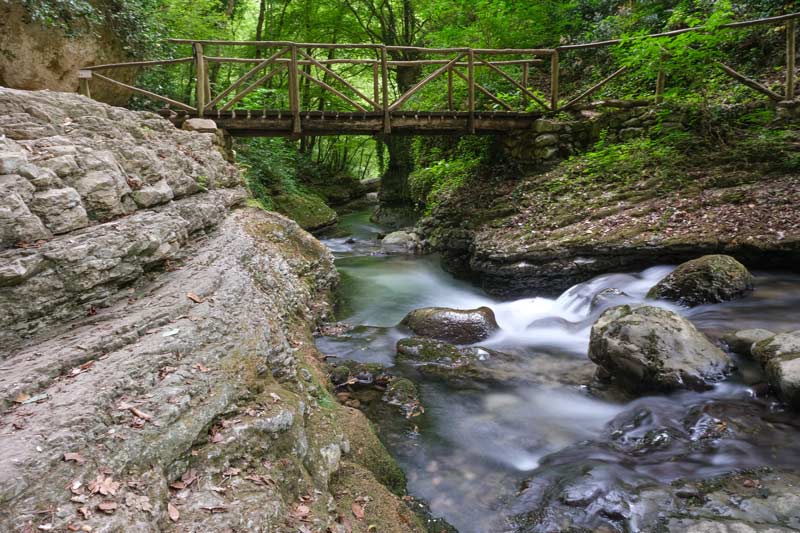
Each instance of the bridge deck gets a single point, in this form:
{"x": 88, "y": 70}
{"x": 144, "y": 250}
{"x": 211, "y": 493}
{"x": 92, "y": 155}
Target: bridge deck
{"x": 318, "y": 123}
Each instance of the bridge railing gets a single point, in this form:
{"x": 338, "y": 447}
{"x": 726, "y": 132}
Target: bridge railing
{"x": 363, "y": 79}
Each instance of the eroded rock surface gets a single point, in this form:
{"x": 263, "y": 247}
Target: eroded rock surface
{"x": 159, "y": 372}
{"x": 648, "y": 348}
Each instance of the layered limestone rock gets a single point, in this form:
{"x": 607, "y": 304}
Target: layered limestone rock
{"x": 159, "y": 372}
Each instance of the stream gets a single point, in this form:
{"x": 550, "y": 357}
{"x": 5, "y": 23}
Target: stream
{"x": 476, "y": 443}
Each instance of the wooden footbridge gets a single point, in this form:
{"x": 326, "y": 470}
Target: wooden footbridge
{"x": 278, "y": 88}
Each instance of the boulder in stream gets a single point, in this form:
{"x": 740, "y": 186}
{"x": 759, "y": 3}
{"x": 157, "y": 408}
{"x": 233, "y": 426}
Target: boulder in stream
{"x": 458, "y": 326}
{"x": 646, "y": 348}
{"x": 780, "y": 357}
{"x": 401, "y": 241}
{"x": 742, "y": 341}
{"x": 707, "y": 279}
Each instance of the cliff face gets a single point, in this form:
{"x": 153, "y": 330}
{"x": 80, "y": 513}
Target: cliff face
{"x": 158, "y": 366}
{"x": 36, "y": 57}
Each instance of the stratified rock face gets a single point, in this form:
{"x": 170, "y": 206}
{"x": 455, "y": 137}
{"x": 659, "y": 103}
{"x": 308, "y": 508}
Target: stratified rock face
{"x": 458, "y": 326}
{"x": 159, "y": 349}
{"x": 708, "y": 279}
{"x": 780, "y": 357}
{"x": 647, "y": 348}
{"x": 129, "y": 181}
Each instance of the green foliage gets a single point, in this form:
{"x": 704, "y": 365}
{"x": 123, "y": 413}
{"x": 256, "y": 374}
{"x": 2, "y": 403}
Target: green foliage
{"x": 132, "y": 21}
{"x": 624, "y": 163}
{"x": 442, "y": 170}
{"x": 71, "y": 16}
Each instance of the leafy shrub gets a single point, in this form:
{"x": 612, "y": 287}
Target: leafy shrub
{"x": 443, "y": 169}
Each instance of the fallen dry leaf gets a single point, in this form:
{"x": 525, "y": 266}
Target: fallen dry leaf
{"x": 104, "y": 485}
{"x": 173, "y": 512}
{"x": 141, "y": 414}
{"x": 358, "y": 510}
{"x": 301, "y": 511}
{"x": 189, "y": 477}
{"x": 74, "y": 456}
{"x": 107, "y": 506}
{"x": 21, "y": 397}
{"x": 215, "y": 509}
{"x": 195, "y": 298}
{"x": 202, "y": 368}
{"x": 85, "y": 512}
{"x": 231, "y": 472}
{"x": 141, "y": 503}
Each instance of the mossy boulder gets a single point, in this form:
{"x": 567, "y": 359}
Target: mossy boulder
{"x": 645, "y": 348}
{"x": 708, "y": 279}
{"x": 742, "y": 341}
{"x": 458, "y": 326}
{"x": 448, "y": 361}
{"x": 308, "y": 210}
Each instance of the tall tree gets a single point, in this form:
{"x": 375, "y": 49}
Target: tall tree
{"x": 393, "y": 23}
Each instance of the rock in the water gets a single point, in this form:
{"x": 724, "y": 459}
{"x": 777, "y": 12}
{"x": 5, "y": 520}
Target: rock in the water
{"x": 458, "y": 326}
{"x": 437, "y": 358}
{"x": 708, "y": 279}
{"x": 403, "y": 393}
{"x": 401, "y": 241}
{"x": 742, "y": 341}
{"x": 608, "y": 297}
{"x": 780, "y": 357}
{"x": 648, "y": 348}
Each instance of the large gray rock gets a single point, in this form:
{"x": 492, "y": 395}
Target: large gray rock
{"x": 170, "y": 346}
{"x": 401, "y": 241}
{"x": 708, "y": 279}
{"x": 742, "y": 341}
{"x": 86, "y": 160}
{"x": 780, "y": 357}
{"x": 458, "y": 326}
{"x": 647, "y": 348}
{"x": 60, "y": 209}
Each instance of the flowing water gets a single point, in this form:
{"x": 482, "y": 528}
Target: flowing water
{"x": 476, "y": 443}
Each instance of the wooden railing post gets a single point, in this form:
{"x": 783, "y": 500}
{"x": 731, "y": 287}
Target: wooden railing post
{"x": 201, "y": 80}
{"x": 661, "y": 80}
{"x": 554, "y": 81}
{"x": 791, "y": 57}
{"x": 525, "y": 75}
{"x": 471, "y": 88}
{"x": 387, "y": 118}
{"x": 294, "y": 92}
{"x": 376, "y": 86}
{"x": 450, "y": 106}
{"x": 83, "y": 81}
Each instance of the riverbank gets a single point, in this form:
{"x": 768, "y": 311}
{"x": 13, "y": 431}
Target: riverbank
{"x": 503, "y": 444}
{"x": 626, "y": 205}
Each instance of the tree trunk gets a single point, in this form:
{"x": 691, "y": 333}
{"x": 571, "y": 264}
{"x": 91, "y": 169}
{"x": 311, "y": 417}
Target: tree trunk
{"x": 262, "y": 10}
{"x": 396, "y": 205}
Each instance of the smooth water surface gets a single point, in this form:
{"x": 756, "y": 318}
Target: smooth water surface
{"x": 475, "y": 444}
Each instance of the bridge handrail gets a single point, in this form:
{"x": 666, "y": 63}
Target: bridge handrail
{"x": 298, "y": 61}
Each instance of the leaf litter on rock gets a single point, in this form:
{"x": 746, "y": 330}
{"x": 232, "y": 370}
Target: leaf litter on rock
{"x": 74, "y": 456}
{"x": 104, "y": 485}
